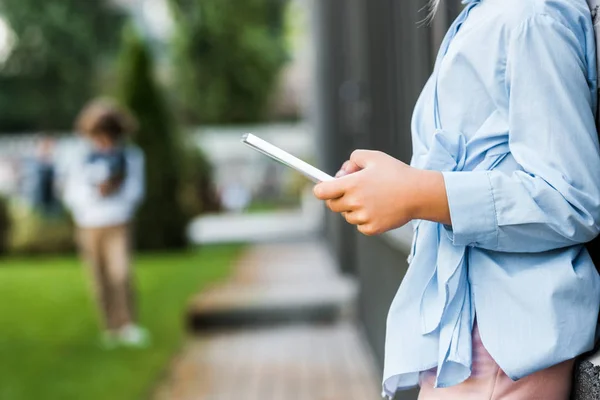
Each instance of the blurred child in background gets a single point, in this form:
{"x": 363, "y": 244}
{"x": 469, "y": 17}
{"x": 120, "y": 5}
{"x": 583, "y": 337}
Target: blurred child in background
{"x": 39, "y": 178}
{"x": 103, "y": 189}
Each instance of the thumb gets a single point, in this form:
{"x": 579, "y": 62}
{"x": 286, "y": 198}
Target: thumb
{"x": 363, "y": 158}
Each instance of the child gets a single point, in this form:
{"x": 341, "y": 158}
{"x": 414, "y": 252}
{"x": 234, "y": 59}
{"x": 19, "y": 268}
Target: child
{"x": 503, "y": 189}
{"x": 39, "y": 179}
{"x": 103, "y": 189}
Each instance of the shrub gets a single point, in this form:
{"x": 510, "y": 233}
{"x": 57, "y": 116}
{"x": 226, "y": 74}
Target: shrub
{"x": 227, "y": 58}
{"x": 5, "y": 226}
{"x": 198, "y": 193}
{"x": 32, "y": 232}
{"x": 54, "y": 61}
{"x": 161, "y": 221}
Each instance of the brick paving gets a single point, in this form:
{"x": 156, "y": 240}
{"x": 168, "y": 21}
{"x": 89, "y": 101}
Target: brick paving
{"x": 299, "y": 361}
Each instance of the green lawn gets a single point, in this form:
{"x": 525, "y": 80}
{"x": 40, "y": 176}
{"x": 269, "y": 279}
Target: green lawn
{"x": 49, "y": 332}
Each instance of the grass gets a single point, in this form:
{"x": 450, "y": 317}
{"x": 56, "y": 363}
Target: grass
{"x": 49, "y": 347}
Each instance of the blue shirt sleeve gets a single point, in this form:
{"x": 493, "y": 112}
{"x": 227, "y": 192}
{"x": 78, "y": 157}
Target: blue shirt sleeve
{"x": 554, "y": 201}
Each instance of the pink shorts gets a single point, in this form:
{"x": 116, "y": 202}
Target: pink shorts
{"x": 489, "y": 382}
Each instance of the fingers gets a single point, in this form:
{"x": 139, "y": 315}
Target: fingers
{"x": 348, "y": 168}
{"x": 351, "y": 213}
{"x": 355, "y": 218}
{"x": 361, "y": 221}
{"x": 328, "y": 190}
{"x": 341, "y": 205}
{"x": 332, "y": 189}
{"x": 359, "y": 160}
{"x": 368, "y": 230}
{"x": 363, "y": 158}
{"x": 346, "y": 203}
{"x": 342, "y": 170}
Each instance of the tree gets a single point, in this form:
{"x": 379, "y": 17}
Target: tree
{"x": 227, "y": 56}
{"x": 161, "y": 221}
{"x": 53, "y": 67}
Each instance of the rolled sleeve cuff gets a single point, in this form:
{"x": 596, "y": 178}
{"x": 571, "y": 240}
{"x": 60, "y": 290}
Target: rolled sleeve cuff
{"x": 472, "y": 209}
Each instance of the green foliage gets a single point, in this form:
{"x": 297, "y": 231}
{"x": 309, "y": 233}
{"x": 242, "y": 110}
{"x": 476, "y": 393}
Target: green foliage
{"x": 52, "y": 70}
{"x": 227, "y": 56}
{"x": 161, "y": 221}
{"x": 32, "y": 232}
{"x": 49, "y": 339}
{"x": 5, "y": 226}
{"x": 198, "y": 193}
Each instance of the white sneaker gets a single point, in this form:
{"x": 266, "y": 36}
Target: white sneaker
{"x": 134, "y": 336}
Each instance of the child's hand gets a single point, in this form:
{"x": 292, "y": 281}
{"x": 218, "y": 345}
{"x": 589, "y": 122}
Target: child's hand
{"x": 109, "y": 187}
{"x": 349, "y": 167}
{"x": 378, "y": 193}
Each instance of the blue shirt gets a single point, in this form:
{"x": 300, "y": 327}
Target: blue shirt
{"x": 81, "y": 194}
{"x": 513, "y": 131}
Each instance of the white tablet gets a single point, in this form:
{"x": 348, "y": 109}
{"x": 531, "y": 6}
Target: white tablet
{"x": 312, "y": 173}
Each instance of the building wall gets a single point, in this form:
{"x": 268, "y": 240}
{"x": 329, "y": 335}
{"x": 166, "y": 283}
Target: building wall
{"x": 373, "y": 58}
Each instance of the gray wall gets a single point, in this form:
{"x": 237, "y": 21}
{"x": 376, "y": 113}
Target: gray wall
{"x": 381, "y": 267}
{"x": 373, "y": 58}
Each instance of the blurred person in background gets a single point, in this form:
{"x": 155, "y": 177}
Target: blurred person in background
{"x": 39, "y": 183}
{"x": 103, "y": 189}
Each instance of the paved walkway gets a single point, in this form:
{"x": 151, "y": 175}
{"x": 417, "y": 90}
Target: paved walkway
{"x": 302, "y": 359}
{"x": 286, "y": 276}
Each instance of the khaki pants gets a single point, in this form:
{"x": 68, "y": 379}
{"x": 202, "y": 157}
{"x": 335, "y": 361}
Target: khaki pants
{"x": 106, "y": 251}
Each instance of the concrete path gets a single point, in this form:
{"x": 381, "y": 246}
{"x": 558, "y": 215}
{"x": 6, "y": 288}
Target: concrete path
{"x": 288, "y": 358}
{"x": 277, "y": 284}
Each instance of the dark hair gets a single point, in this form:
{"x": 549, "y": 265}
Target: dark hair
{"x": 104, "y": 117}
